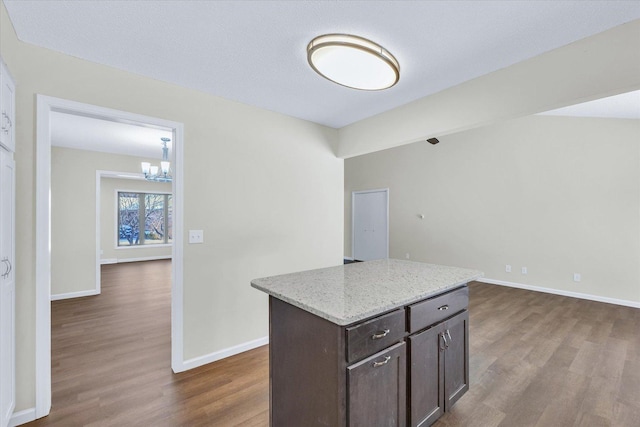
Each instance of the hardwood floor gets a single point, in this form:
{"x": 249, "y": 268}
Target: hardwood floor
{"x": 536, "y": 360}
{"x": 111, "y": 362}
{"x": 546, "y": 360}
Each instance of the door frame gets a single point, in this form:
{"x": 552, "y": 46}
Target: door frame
{"x": 46, "y": 105}
{"x": 353, "y": 217}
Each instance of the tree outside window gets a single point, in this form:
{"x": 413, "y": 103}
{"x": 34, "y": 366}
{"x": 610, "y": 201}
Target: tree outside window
{"x": 152, "y": 210}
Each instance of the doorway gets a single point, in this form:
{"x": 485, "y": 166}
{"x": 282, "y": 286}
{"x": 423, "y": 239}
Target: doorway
{"x": 46, "y": 107}
{"x": 370, "y": 224}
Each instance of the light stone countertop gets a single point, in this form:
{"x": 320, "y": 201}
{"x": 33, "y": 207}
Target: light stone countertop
{"x": 348, "y": 293}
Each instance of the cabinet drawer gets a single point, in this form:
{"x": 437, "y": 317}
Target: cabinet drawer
{"x": 374, "y": 335}
{"x": 433, "y": 310}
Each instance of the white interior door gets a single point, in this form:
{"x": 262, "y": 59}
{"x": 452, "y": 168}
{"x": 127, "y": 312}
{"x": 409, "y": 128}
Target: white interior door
{"x": 370, "y": 224}
{"x": 7, "y": 287}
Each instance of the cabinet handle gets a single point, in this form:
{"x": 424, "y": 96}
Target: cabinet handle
{"x": 8, "y": 268}
{"x": 449, "y": 335}
{"x": 446, "y": 344}
{"x": 443, "y": 307}
{"x": 379, "y": 335}
{"x": 384, "y": 362}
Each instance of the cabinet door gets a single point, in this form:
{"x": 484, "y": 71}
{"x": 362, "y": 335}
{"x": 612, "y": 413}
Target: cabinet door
{"x": 426, "y": 358}
{"x": 456, "y": 363}
{"x": 7, "y": 109}
{"x": 7, "y": 287}
{"x": 377, "y": 389}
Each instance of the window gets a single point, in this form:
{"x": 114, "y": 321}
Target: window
{"x": 154, "y": 210}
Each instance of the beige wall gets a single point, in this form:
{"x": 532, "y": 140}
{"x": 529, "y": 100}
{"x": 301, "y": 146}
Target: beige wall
{"x": 73, "y": 216}
{"x": 265, "y": 188}
{"x": 109, "y": 221}
{"x": 555, "y": 194}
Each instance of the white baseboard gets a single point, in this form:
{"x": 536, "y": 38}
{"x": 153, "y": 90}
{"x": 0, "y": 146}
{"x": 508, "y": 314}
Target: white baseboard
{"x": 146, "y": 258}
{"x": 227, "y": 352}
{"x": 90, "y": 292}
{"x": 563, "y": 293}
{"x": 22, "y": 417}
{"x": 108, "y": 261}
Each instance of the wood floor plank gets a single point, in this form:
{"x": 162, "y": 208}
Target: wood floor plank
{"x": 536, "y": 360}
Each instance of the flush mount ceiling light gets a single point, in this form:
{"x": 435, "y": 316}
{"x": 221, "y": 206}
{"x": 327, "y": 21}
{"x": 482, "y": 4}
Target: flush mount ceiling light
{"x": 353, "y": 62}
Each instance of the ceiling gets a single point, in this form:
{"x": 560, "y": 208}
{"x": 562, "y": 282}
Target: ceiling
{"x": 623, "y": 106}
{"x": 88, "y": 133}
{"x": 254, "y": 51}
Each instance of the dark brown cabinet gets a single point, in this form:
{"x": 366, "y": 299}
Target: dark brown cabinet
{"x": 426, "y": 377}
{"x": 456, "y": 358}
{"x": 377, "y": 389}
{"x": 439, "y": 369}
{"x": 403, "y": 367}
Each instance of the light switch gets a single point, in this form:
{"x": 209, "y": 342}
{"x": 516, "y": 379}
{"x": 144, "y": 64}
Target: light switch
{"x": 196, "y": 236}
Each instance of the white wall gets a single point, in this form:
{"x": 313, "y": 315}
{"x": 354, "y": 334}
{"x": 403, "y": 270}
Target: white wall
{"x": 109, "y": 220}
{"x": 555, "y": 194}
{"x": 265, "y": 188}
{"x": 578, "y": 72}
{"x": 73, "y": 216}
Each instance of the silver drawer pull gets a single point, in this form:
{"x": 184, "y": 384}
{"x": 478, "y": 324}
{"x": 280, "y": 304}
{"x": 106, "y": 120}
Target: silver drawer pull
{"x": 379, "y": 335}
{"x": 443, "y": 307}
{"x": 384, "y": 362}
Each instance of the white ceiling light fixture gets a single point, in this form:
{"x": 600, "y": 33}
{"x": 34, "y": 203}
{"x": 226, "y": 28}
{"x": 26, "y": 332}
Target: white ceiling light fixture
{"x": 162, "y": 174}
{"x": 353, "y": 61}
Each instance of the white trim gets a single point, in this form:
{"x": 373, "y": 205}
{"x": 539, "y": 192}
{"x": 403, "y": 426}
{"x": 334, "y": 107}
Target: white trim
{"x": 22, "y": 417}
{"x": 121, "y": 260}
{"x": 177, "y": 300}
{"x": 353, "y": 228}
{"x": 146, "y": 258}
{"x": 159, "y": 245}
{"x": 44, "y": 108}
{"x": 98, "y": 262}
{"x": 227, "y": 352}
{"x": 78, "y": 294}
{"x": 126, "y": 190}
{"x": 45, "y": 105}
{"x": 122, "y": 175}
{"x": 579, "y": 295}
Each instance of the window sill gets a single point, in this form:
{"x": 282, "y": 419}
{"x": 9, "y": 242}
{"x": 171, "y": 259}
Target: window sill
{"x": 163, "y": 245}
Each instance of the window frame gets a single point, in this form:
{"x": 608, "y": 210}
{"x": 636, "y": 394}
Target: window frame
{"x": 117, "y": 218}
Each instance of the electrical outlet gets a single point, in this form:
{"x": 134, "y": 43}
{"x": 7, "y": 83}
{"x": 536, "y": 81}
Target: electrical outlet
{"x": 507, "y": 268}
{"x": 408, "y": 255}
{"x": 196, "y": 236}
{"x": 577, "y": 277}
{"x": 524, "y": 270}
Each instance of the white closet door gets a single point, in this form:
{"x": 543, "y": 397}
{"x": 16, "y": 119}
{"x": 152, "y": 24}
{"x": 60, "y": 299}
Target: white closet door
{"x": 7, "y": 287}
{"x": 370, "y": 211}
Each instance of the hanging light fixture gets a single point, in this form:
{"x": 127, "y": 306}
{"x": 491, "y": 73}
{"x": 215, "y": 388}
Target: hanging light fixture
{"x": 353, "y": 62}
{"x": 162, "y": 174}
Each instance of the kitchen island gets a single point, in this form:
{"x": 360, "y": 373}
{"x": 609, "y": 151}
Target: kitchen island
{"x": 378, "y": 343}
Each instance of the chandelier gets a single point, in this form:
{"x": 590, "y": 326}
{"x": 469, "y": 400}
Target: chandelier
{"x": 163, "y": 173}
